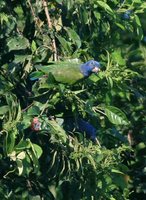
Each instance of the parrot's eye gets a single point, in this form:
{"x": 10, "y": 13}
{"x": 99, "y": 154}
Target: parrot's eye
{"x": 92, "y": 63}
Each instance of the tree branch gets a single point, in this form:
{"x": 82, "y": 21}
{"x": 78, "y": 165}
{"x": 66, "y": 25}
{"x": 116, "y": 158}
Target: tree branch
{"x": 50, "y": 27}
{"x": 36, "y": 19}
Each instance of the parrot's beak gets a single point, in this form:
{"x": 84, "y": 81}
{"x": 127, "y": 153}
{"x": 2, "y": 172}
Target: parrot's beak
{"x": 95, "y": 70}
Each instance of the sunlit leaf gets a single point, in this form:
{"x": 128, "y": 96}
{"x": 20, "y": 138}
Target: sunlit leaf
{"x": 74, "y": 36}
{"x": 3, "y": 110}
{"x": 105, "y": 6}
{"x": 17, "y": 43}
{"x": 38, "y": 150}
{"x": 34, "y": 110}
{"x": 22, "y": 145}
{"x": 19, "y": 166}
{"x": 116, "y": 116}
{"x": 66, "y": 46}
{"x": 21, "y": 155}
{"x": 36, "y": 75}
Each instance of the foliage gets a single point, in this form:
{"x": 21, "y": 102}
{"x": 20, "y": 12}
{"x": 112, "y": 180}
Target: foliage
{"x": 44, "y": 164}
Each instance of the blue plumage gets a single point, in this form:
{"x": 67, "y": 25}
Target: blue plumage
{"x": 90, "y": 67}
{"x": 84, "y": 126}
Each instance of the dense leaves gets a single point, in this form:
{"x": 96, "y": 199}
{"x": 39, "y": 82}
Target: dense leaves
{"x": 72, "y": 141}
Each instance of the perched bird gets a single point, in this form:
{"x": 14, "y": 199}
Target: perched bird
{"x": 82, "y": 126}
{"x": 66, "y": 72}
{"x": 89, "y": 129}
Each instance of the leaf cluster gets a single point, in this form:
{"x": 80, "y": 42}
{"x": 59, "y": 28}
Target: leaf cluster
{"x": 44, "y": 164}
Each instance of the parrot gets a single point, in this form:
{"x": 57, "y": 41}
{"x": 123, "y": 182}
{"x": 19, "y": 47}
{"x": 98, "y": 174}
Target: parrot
{"x": 66, "y": 72}
{"x": 82, "y": 126}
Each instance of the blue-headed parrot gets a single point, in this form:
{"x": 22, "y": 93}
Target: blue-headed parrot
{"x": 66, "y": 72}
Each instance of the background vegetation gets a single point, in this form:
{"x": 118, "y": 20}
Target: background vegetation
{"x": 55, "y": 163}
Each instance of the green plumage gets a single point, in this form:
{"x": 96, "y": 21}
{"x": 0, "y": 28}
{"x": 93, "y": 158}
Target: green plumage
{"x": 66, "y": 73}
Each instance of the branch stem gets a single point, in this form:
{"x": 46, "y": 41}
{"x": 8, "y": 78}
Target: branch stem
{"x": 54, "y": 48}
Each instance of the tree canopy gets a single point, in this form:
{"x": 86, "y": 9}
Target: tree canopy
{"x": 44, "y": 153}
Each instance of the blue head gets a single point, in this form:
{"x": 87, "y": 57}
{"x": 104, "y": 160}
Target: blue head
{"x": 90, "y": 67}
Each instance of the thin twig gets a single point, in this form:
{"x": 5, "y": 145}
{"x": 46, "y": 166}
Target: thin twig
{"x": 32, "y": 11}
{"x": 50, "y": 27}
{"x": 28, "y": 107}
{"x": 9, "y": 172}
{"x": 121, "y": 5}
{"x": 36, "y": 19}
{"x": 44, "y": 107}
{"x": 97, "y": 110}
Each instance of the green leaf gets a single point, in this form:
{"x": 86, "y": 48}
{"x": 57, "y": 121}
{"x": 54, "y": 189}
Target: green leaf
{"x": 116, "y": 116}
{"x": 110, "y": 81}
{"x": 19, "y": 114}
{"x": 120, "y": 181}
{"x": 9, "y": 142}
{"x": 37, "y": 197}
{"x": 57, "y": 131}
{"x": 78, "y": 91}
{"x": 117, "y": 171}
{"x": 141, "y": 146}
{"x": 17, "y": 43}
{"x": 3, "y": 18}
{"x": 34, "y": 153}
{"x": 117, "y": 56}
{"x": 21, "y": 155}
{"x": 139, "y": 29}
{"x": 120, "y": 26}
{"x": 33, "y": 46}
{"x": 66, "y": 45}
{"x": 35, "y": 75}
{"x": 73, "y": 36}
{"x": 105, "y": 6}
{"x": 84, "y": 15}
{"x": 21, "y": 58}
{"x": 97, "y": 15}
{"x": 4, "y": 110}
{"x": 22, "y": 145}
{"x": 59, "y": 1}
{"x": 12, "y": 155}
{"x": 38, "y": 150}
{"x": 34, "y": 110}
{"x": 137, "y": 20}
{"x": 20, "y": 166}
{"x": 99, "y": 158}
{"x": 92, "y": 161}
{"x": 94, "y": 78}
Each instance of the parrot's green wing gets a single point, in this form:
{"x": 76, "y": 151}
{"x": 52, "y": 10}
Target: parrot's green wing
{"x": 63, "y": 72}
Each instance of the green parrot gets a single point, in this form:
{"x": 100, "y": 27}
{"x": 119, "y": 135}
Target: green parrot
{"x": 66, "y": 73}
